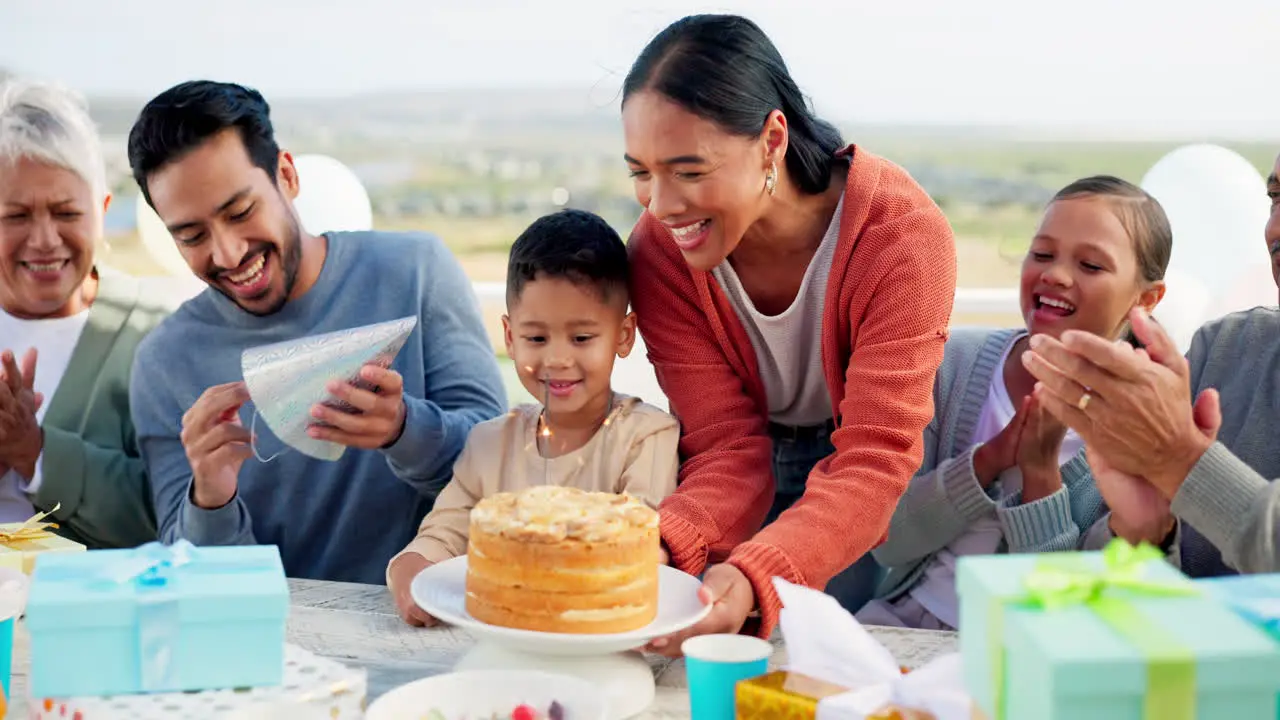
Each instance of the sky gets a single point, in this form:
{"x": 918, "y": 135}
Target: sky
{"x": 1129, "y": 67}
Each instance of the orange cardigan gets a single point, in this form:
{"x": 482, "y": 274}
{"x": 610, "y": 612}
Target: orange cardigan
{"x": 888, "y": 306}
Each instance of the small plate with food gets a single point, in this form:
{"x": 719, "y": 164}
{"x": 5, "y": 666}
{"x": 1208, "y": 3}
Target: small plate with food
{"x": 492, "y": 695}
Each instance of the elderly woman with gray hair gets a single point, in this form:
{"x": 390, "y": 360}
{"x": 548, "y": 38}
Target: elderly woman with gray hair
{"x": 68, "y": 330}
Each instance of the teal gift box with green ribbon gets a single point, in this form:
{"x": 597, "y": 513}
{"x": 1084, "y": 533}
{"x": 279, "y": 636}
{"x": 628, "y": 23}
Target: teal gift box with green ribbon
{"x": 1112, "y": 635}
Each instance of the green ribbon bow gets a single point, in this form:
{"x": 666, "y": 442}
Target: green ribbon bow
{"x": 1065, "y": 580}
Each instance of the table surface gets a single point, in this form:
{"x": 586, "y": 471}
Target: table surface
{"x": 357, "y": 625}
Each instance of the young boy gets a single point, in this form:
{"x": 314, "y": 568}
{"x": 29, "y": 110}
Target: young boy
{"x": 567, "y": 319}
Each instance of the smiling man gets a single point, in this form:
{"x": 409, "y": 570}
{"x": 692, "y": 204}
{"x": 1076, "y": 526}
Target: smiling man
{"x": 205, "y": 157}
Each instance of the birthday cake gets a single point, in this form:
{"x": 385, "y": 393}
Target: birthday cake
{"x": 563, "y": 560}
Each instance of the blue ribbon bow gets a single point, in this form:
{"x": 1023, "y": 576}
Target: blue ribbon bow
{"x": 150, "y": 568}
{"x": 150, "y": 564}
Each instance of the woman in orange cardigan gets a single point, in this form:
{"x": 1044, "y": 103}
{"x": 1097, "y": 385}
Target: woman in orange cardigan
{"x": 794, "y": 295}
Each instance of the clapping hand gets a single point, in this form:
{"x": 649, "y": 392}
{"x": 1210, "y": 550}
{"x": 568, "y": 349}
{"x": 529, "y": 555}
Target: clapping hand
{"x": 1000, "y": 452}
{"x": 1039, "y": 445}
{"x": 1138, "y": 511}
{"x": 1133, "y": 406}
{"x": 21, "y": 439}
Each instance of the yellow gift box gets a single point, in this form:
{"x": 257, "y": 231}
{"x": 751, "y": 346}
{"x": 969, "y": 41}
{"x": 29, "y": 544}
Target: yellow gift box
{"x": 782, "y": 695}
{"x": 21, "y": 543}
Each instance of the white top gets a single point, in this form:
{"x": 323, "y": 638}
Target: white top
{"x": 789, "y": 345}
{"x": 54, "y": 340}
{"x": 936, "y": 589}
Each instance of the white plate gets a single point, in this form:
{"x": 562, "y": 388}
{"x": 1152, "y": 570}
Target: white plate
{"x": 479, "y": 694}
{"x": 441, "y": 590}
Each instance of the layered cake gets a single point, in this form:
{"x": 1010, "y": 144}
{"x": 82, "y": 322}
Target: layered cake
{"x": 563, "y": 560}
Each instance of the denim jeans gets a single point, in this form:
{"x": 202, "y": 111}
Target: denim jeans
{"x": 795, "y": 452}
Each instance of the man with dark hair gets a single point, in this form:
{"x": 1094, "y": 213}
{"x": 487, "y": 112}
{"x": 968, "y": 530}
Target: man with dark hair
{"x": 205, "y": 156}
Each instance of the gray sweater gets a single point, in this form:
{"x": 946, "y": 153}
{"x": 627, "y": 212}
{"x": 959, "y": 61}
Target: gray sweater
{"x": 945, "y": 498}
{"x": 339, "y": 520}
{"x": 1228, "y": 508}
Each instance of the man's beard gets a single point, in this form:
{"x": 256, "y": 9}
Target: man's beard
{"x": 290, "y": 258}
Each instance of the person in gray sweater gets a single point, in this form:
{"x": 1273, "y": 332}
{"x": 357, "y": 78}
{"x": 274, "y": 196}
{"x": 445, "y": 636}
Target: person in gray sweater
{"x": 999, "y": 473}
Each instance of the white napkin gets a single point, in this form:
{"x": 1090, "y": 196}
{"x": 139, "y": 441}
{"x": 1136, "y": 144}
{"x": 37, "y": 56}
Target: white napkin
{"x": 825, "y": 642}
{"x": 13, "y": 592}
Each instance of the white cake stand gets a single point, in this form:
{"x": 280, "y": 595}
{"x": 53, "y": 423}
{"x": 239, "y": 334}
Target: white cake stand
{"x": 609, "y": 662}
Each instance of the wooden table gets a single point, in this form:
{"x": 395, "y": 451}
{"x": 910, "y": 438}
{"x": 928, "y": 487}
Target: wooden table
{"x": 357, "y": 625}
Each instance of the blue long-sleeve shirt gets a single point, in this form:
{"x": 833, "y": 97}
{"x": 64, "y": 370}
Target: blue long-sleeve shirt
{"x": 340, "y": 520}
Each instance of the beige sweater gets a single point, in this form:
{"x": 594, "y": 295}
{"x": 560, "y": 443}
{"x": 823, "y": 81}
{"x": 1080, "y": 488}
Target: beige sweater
{"x": 633, "y": 452}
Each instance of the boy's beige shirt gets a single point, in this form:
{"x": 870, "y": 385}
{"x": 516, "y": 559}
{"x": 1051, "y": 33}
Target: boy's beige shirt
{"x": 633, "y": 452}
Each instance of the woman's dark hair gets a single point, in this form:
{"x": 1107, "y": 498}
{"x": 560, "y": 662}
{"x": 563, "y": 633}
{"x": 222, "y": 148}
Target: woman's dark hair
{"x": 725, "y": 69}
{"x": 1142, "y": 218}
{"x": 179, "y": 119}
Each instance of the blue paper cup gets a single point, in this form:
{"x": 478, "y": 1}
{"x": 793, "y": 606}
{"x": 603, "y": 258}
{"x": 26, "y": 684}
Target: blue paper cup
{"x": 6, "y": 660}
{"x": 15, "y": 584}
{"x": 714, "y": 664}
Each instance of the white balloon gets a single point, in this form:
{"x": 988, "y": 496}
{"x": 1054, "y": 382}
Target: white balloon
{"x": 1255, "y": 287}
{"x": 155, "y": 237}
{"x": 1185, "y": 307}
{"x": 330, "y": 197}
{"x": 1217, "y": 205}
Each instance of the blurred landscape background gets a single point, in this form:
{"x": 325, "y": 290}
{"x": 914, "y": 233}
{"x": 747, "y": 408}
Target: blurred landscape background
{"x": 476, "y": 167}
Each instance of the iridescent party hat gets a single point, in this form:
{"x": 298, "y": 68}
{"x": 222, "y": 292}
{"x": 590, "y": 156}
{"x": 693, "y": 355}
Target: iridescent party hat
{"x": 286, "y": 379}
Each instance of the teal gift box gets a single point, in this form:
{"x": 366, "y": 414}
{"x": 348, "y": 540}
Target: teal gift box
{"x": 157, "y": 619}
{"x": 1256, "y": 598}
{"x": 1112, "y": 635}
{"x": 6, "y": 662}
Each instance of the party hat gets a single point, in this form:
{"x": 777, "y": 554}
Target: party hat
{"x": 286, "y": 379}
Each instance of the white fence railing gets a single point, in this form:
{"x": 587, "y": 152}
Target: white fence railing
{"x": 985, "y": 301}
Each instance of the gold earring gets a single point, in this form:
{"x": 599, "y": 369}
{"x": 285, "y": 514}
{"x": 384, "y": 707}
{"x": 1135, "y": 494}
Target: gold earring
{"x": 771, "y": 178}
